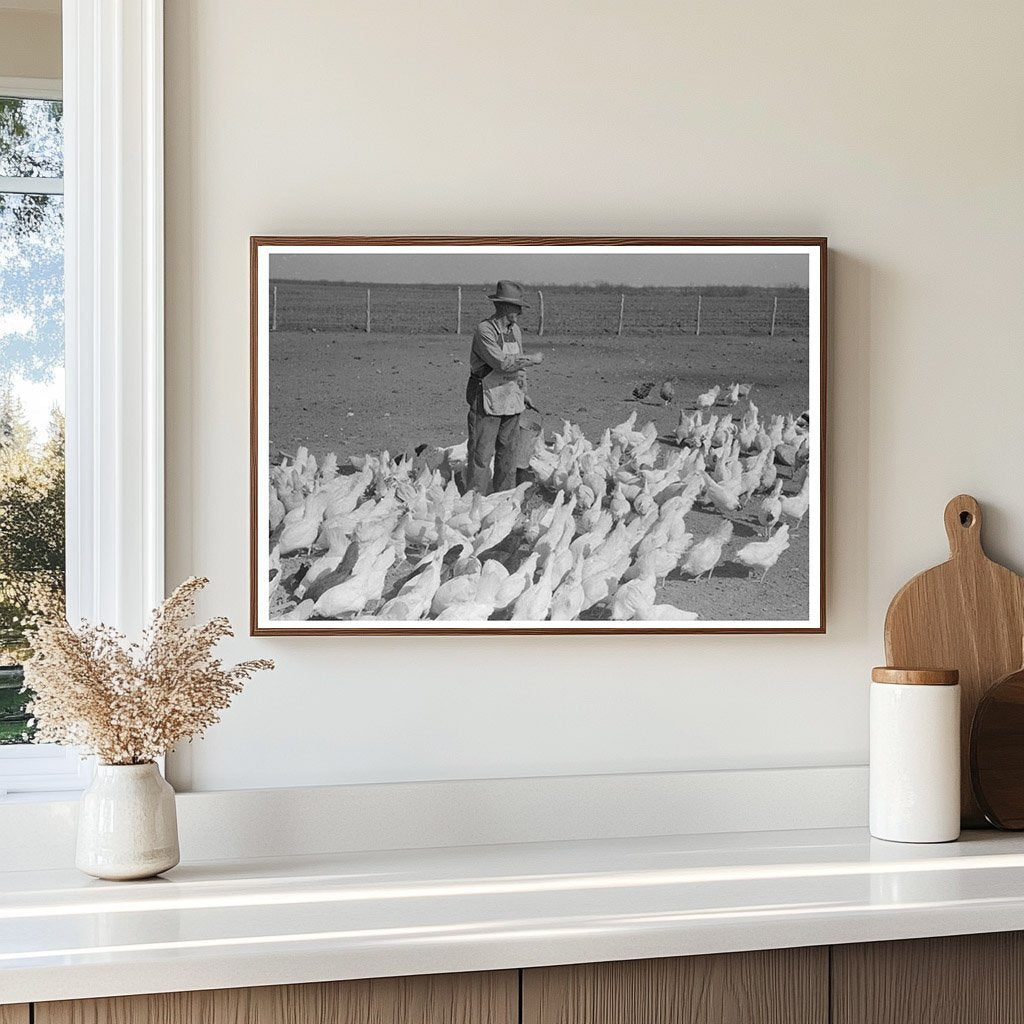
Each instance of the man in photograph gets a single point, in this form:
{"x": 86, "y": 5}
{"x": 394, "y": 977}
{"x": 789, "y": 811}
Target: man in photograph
{"x": 496, "y": 392}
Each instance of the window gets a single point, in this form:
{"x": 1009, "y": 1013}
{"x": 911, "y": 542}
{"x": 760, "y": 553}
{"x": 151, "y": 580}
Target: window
{"x": 31, "y": 383}
{"x": 113, "y": 330}
{"x": 32, "y": 547}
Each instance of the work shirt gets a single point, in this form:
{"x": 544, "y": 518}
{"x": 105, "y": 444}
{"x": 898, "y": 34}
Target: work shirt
{"x": 492, "y": 359}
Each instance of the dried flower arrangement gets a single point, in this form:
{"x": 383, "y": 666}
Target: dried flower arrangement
{"x": 130, "y": 703}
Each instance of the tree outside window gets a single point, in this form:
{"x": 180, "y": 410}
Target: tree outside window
{"x": 31, "y": 386}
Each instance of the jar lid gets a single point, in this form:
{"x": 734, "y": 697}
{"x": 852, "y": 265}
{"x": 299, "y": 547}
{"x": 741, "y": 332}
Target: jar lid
{"x": 916, "y": 676}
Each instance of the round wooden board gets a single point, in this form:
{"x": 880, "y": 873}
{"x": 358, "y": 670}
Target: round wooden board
{"x": 997, "y": 753}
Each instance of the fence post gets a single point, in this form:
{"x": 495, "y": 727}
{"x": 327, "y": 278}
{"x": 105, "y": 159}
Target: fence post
{"x": 540, "y": 300}
{"x": 273, "y": 319}
{"x": 367, "y": 310}
{"x": 458, "y": 314}
{"x": 622, "y": 311}
{"x": 699, "y": 300}
{"x": 775, "y": 309}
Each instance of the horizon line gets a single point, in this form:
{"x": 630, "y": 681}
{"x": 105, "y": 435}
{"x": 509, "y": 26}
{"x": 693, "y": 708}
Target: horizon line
{"x": 589, "y": 286}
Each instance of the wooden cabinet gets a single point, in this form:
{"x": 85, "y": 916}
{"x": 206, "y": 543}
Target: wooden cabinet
{"x": 777, "y": 986}
{"x": 967, "y": 979}
{"x": 962, "y": 979}
{"x": 491, "y": 998}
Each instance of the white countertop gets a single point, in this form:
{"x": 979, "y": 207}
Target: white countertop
{"x": 227, "y": 924}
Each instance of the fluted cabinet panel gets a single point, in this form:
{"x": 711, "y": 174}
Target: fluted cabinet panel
{"x": 960, "y": 979}
{"x": 480, "y": 998}
{"x": 14, "y": 1014}
{"x": 778, "y": 986}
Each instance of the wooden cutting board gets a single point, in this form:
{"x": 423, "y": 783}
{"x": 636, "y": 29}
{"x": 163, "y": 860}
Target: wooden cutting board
{"x": 967, "y": 614}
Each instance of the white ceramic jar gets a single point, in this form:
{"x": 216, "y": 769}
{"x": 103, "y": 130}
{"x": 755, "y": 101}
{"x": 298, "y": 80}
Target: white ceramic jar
{"x": 127, "y": 823}
{"x": 915, "y": 755}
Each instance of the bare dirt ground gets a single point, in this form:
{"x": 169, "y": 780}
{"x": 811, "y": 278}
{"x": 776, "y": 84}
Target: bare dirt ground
{"x": 352, "y": 393}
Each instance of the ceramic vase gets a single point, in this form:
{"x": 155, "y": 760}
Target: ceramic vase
{"x": 127, "y": 825}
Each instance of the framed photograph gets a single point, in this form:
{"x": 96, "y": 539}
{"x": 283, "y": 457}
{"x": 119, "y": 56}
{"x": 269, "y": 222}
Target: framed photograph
{"x": 537, "y": 435}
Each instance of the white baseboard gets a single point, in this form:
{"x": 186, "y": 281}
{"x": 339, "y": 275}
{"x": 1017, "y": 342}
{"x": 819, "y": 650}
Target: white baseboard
{"x": 240, "y": 824}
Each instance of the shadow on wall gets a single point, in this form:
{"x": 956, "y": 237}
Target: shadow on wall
{"x": 852, "y": 287}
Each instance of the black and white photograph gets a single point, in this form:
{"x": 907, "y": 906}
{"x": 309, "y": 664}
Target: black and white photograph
{"x": 537, "y": 435}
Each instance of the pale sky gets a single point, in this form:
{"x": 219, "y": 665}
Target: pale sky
{"x": 636, "y": 269}
{"x": 38, "y": 400}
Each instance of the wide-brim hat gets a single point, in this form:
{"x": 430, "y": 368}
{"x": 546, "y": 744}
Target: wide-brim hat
{"x": 509, "y": 291}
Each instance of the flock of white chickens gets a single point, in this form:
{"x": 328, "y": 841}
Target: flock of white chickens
{"x": 592, "y": 533}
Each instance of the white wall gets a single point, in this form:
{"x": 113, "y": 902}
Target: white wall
{"x": 895, "y": 129}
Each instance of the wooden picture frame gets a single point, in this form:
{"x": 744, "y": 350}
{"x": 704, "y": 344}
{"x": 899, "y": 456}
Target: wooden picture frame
{"x": 364, "y": 344}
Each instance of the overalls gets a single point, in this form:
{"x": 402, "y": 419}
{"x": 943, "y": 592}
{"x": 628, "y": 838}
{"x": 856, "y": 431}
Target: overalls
{"x": 495, "y": 402}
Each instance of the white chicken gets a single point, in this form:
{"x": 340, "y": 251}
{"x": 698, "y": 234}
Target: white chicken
{"x": 657, "y": 564}
{"x": 623, "y": 434}
{"x": 586, "y": 542}
{"x": 644, "y": 503}
{"x": 795, "y": 507}
{"x": 618, "y": 504}
{"x": 724, "y": 496}
{"x": 300, "y": 535}
{"x": 276, "y": 509}
{"x": 338, "y": 540}
{"x": 606, "y": 524}
{"x": 770, "y": 510}
{"x": 458, "y": 590}
{"x": 763, "y": 554}
{"x": 511, "y": 588}
{"x": 632, "y": 597}
{"x": 352, "y": 596}
{"x": 599, "y": 585}
{"x": 413, "y": 599}
{"x": 753, "y": 474}
{"x": 686, "y": 426}
{"x": 708, "y": 398}
{"x": 492, "y": 575}
{"x": 501, "y": 524}
{"x": 567, "y": 601}
{"x": 469, "y": 611}
{"x": 534, "y": 603}
{"x": 704, "y": 556}
{"x": 560, "y": 559}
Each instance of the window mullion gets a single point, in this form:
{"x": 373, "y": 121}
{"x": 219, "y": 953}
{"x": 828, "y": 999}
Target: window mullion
{"x": 32, "y": 186}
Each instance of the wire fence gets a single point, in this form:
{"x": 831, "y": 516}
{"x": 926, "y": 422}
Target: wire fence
{"x": 341, "y": 307}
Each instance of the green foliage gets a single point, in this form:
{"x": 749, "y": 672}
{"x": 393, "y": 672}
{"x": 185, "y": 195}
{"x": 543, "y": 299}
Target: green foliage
{"x": 31, "y": 548}
{"x": 14, "y": 720}
{"x": 31, "y": 525}
{"x": 31, "y": 146}
{"x": 31, "y": 143}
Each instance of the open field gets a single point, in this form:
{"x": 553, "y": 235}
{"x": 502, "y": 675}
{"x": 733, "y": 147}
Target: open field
{"x": 354, "y": 393}
{"x": 571, "y": 310}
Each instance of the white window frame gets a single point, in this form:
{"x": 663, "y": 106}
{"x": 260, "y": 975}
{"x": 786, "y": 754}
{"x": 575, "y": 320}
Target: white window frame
{"x": 114, "y": 349}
